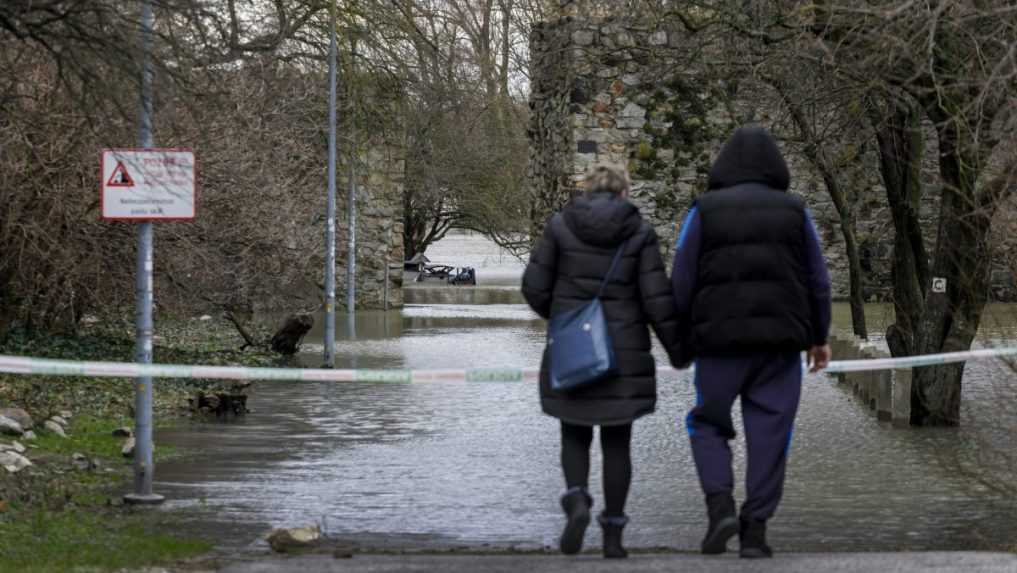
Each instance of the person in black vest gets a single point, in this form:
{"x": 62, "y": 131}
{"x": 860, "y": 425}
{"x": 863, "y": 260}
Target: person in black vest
{"x": 565, "y": 271}
{"x": 752, "y": 292}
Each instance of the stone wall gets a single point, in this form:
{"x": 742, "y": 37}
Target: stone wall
{"x": 379, "y": 228}
{"x": 600, "y": 92}
{"x": 614, "y": 88}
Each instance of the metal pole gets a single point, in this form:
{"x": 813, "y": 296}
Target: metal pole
{"x": 330, "y": 224}
{"x": 143, "y": 466}
{"x": 351, "y": 266}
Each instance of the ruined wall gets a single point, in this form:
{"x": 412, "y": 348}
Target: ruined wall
{"x": 614, "y": 88}
{"x": 600, "y": 91}
{"x": 379, "y": 228}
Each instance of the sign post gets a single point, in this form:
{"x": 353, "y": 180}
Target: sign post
{"x": 143, "y": 291}
{"x": 146, "y": 185}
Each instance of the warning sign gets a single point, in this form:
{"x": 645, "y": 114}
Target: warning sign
{"x": 120, "y": 177}
{"x": 148, "y": 184}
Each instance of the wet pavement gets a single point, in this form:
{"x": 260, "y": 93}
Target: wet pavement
{"x": 438, "y": 465}
{"x": 794, "y": 563}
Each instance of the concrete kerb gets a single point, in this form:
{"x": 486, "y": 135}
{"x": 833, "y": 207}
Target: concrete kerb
{"x": 872, "y": 380}
{"x": 885, "y": 392}
{"x": 843, "y": 349}
{"x": 901, "y": 398}
{"x": 916, "y": 562}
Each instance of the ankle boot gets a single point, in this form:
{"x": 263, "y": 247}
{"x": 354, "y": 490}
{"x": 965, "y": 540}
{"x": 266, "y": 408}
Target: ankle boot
{"x": 753, "y": 539}
{"x": 723, "y": 523}
{"x": 613, "y": 526}
{"x": 576, "y": 503}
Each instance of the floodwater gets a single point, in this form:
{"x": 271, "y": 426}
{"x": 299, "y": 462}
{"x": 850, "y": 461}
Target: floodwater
{"x": 456, "y": 464}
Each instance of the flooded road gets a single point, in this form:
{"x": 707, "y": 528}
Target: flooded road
{"x": 454, "y": 464}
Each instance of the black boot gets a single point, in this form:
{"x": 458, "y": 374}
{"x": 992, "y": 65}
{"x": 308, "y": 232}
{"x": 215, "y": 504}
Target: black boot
{"x": 723, "y": 523}
{"x": 753, "y": 539}
{"x": 576, "y": 503}
{"x": 613, "y": 526}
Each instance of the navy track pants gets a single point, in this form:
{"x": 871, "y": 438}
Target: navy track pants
{"x": 770, "y": 387}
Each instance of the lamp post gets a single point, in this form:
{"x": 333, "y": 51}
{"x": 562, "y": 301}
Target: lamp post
{"x": 330, "y": 217}
{"x": 351, "y": 265}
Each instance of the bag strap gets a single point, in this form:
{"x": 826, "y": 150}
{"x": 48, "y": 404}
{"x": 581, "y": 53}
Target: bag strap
{"x": 610, "y": 271}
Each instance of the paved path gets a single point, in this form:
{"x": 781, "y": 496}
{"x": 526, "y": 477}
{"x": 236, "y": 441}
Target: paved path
{"x": 964, "y": 562}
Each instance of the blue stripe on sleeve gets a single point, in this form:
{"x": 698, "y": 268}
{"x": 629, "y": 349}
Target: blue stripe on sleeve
{"x": 684, "y": 235}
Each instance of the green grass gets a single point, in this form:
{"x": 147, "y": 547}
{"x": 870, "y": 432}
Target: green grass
{"x": 87, "y": 539}
{"x": 71, "y": 520}
{"x": 88, "y": 435}
{"x": 57, "y": 518}
{"x": 93, "y": 437}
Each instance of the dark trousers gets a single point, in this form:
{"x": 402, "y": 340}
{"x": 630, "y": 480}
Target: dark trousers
{"x": 575, "y": 461}
{"x": 770, "y": 388}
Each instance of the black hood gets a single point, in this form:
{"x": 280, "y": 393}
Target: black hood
{"x": 602, "y": 219}
{"x": 750, "y": 156}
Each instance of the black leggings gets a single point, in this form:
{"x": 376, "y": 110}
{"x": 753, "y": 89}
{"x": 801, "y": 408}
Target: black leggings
{"x": 575, "y": 460}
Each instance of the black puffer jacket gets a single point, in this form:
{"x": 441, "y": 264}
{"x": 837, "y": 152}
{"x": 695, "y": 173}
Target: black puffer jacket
{"x": 566, "y": 270}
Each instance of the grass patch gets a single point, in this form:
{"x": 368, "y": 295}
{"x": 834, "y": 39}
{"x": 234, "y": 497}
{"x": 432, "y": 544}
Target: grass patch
{"x": 93, "y": 437}
{"x": 88, "y": 435}
{"x": 57, "y": 516}
{"x": 44, "y": 542}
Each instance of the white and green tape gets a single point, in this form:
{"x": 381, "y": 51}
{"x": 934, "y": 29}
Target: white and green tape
{"x": 44, "y": 366}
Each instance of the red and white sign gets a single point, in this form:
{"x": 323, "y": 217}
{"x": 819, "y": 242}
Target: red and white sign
{"x": 148, "y": 184}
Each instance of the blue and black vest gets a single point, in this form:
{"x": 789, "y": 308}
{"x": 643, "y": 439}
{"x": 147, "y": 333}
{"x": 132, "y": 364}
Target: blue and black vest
{"x": 751, "y": 290}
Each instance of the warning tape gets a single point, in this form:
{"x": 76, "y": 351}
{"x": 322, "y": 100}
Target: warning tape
{"x": 44, "y": 366}
{"x": 871, "y": 364}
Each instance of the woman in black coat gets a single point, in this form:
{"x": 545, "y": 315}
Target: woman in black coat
{"x": 565, "y": 271}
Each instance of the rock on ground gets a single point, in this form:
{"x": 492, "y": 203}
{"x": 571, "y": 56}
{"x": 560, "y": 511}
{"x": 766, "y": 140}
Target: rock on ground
{"x": 18, "y": 415}
{"x": 10, "y": 427}
{"x": 29, "y": 435}
{"x": 81, "y": 461}
{"x": 13, "y": 447}
{"x": 59, "y": 420}
{"x": 57, "y": 429}
{"x": 66, "y": 414}
{"x": 14, "y": 462}
{"x": 285, "y": 540}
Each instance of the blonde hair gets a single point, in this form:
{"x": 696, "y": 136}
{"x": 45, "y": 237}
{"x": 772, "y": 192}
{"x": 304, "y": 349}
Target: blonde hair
{"x": 607, "y": 178}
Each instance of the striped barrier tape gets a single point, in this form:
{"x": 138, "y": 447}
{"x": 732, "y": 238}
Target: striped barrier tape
{"x": 44, "y": 366}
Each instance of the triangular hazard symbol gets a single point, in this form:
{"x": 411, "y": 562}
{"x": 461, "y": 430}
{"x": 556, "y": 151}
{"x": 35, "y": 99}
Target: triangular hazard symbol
{"x": 120, "y": 177}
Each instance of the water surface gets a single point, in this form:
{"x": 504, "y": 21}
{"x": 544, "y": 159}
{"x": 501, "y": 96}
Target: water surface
{"x": 442, "y": 464}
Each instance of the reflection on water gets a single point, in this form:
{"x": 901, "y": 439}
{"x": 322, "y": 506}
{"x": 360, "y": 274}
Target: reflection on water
{"x": 454, "y": 463}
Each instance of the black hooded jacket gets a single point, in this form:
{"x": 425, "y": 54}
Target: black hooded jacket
{"x": 565, "y": 271}
{"x": 752, "y": 283}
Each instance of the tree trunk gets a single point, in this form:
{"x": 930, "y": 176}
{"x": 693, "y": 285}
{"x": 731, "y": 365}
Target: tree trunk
{"x": 901, "y": 147}
{"x": 962, "y": 258}
{"x": 857, "y": 292}
{"x": 816, "y": 156}
{"x": 929, "y": 322}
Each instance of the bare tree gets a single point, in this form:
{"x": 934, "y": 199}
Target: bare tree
{"x": 948, "y": 65}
